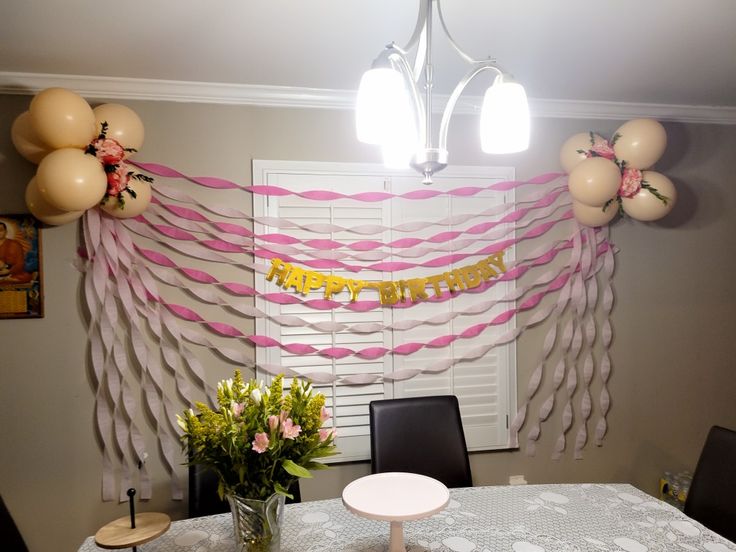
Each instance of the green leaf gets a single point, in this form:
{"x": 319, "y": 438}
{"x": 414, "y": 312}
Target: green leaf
{"x": 295, "y": 469}
{"x": 280, "y": 490}
{"x": 317, "y": 466}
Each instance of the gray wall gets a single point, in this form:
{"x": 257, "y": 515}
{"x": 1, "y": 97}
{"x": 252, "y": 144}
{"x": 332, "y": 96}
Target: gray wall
{"x": 673, "y": 319}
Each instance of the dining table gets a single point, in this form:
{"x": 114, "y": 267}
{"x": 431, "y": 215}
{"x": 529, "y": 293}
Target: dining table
{"x": 519, "y": 518}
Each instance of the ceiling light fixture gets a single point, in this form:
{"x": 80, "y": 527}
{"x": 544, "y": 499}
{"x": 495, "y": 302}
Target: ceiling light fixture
{"x": 392, "y": 113}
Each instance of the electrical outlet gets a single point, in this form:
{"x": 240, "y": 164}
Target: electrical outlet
{"x": 517, "y": 480}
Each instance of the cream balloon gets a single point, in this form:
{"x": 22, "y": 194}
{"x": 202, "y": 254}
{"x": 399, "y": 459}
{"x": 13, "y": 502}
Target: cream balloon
{"x": 124, "y": 125}
{"x": 594, "y": 216}
{"x": 594, "y": 181}
{"x": 645, "y": 206}
{"x": 44, "y": 212}
{"x": 62, "y": 119}
{"x": 71, "y": 180}
{"x": 25, "y": 139}
{"x": 134, "y": 206}
{"x": 640, "y": 142}
{"x": 570, "y": 157}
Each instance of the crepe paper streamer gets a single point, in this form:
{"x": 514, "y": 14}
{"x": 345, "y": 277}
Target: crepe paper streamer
{"x": 536, "y": 376}
{"x": 216, "y": 228}
{"x": 189, "y": 219}
{"x": 371, "y": 353}
{"x": 540, "y": 256}
{"x": 329, "y": 249}
{"x": 327, "y": 195}
{"x": 606, "y": 338}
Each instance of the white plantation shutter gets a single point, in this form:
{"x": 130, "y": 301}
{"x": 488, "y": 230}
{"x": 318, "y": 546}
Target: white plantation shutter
{"x": 485, "y": 388}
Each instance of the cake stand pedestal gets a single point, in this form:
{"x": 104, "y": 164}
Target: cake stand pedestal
{"x": 395, "y": 497}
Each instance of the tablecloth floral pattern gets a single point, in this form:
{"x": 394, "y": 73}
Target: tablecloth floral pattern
{"x": 528, "y": 518}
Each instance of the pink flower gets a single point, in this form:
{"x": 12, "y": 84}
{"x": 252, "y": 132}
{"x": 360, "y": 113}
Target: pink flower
{"x": 238, "y": 409}
{"x": 630, "y": 183}
{"x": 273, "y": 422}
{"x": 260, "y": 443}
{"x": 601, "y": 149}
{"x": 324, "y": 414}
{"x": 117, "y": 181}
{"x": 108, "y": 151}
{"x": 325, "y": 433}
{"x": 290, "y": 430}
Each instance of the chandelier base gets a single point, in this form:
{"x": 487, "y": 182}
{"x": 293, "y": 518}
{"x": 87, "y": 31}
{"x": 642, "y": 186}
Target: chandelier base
{"x": 429, "y": 161}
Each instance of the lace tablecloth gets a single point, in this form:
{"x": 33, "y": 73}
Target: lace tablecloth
{"x": 528, "y": 518}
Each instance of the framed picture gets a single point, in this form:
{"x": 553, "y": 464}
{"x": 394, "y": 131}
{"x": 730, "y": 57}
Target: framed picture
{"x": 21, "y": 281}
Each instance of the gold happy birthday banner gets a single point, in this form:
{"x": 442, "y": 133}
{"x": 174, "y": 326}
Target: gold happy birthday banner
{"x": 391, "y": 292}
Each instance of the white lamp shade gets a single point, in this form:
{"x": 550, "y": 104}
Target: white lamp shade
{"x": 384, "y": 112}
{"x": 504, "y": 118}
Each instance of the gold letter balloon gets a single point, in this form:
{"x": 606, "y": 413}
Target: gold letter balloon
{"x": 609, "y": 178}
{"x": 80, "y": 153}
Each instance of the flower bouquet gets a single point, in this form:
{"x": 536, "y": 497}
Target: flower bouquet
{"x": 258, "y": 442}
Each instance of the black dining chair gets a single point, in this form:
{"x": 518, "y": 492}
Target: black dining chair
{"x": 203, "y": 497}
{"x": 10, "y": 537}
{"x": 421, "y": 435}
{"x": 711, "y": 497}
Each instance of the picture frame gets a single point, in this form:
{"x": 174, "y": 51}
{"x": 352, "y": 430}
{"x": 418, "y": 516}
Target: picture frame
{"x": 21, "y": 262}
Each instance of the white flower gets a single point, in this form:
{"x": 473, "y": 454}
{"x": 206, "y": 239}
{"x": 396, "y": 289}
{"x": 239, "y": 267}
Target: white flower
{"x": 181, "y": 422}
{"x": 256, "y": 395}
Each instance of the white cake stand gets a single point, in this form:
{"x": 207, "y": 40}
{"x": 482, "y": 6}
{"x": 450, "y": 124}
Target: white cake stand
{"x": 396, "y": 497}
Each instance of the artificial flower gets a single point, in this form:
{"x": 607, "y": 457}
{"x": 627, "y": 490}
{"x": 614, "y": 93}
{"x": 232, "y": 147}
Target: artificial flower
{"x": 630, "y": 183}
{"x": 260, "y": 443}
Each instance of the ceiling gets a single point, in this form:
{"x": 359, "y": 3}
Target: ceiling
{"x": 665, "y": 52}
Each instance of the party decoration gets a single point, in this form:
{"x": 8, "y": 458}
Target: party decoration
{"x": 62, "y": 119}
{"x": 654, "y": 199}
{"x": 123, "y": 125}
{"x": 594, "y": 181}
{"x": 575, "y": 149}
{"x": 82, "y": 156}
{"x": 414, "y": 289}
{"x": 594, "y": 216}
{"x": 591, "y": 160}
{"x": 25, "y": 139}
{"x": 71, "y": 180}
{"x": 43, "y": 211}
{"x": 640, "y": 143}
{"x": 139, "y": 196}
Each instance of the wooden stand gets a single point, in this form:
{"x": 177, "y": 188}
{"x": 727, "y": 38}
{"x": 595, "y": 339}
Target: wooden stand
{"x": 131, "y": 531}
{"x": 119, "y": 533}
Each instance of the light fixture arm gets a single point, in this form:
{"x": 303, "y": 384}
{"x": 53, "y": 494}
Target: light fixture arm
{"x": 452, "y": 100}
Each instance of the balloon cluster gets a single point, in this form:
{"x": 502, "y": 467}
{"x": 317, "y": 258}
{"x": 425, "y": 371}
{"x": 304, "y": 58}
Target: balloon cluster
{"x": 81, "y": 155}
{"x": 608, "y": 178}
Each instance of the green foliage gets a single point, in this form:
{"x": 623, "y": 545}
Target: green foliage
{"x": 258, "y": 441}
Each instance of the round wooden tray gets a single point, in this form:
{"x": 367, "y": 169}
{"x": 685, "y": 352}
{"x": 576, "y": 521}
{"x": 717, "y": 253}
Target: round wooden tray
{"x": 119, "y": 533}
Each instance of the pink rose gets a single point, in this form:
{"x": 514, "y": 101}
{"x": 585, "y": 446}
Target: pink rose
{"x": 601, "y": 149}
{"x": 260, "y": 443}
{"x": 108, "y": 151}
{"x": 290, "y": 430}
{"x": 630, "y": 183}
{"x": 273, "y": 422}
{"x": 324, "y": 414}
{"x": 325, "y": 433}
{"x": 238, "y": 409}
{"x": 117, "y": 181}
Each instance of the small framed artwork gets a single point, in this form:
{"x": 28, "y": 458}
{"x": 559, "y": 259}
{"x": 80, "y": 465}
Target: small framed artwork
{"x": 21, "y": 278}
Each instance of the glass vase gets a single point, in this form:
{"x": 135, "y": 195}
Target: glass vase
{"x": 257, "y": 523}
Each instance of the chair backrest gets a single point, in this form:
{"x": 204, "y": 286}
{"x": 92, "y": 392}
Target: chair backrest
{"x": 421, "y": 435}
{"x": 203, "y": 497}
{"x": 712, "y": 496}
{"x": 9, "y": 535}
